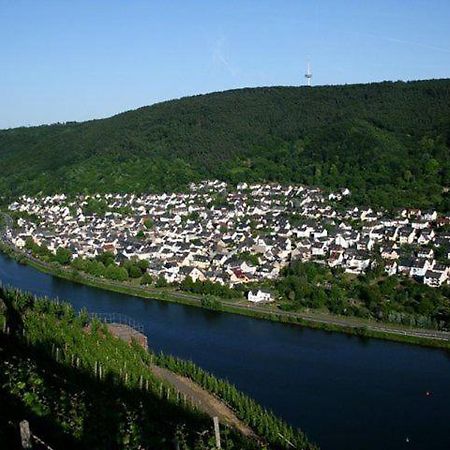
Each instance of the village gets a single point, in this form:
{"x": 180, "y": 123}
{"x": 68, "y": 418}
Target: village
{"x": 235, "y": 235}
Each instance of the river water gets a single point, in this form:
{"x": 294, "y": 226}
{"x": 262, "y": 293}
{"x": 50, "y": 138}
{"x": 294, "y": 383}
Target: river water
{"x": 344, "y": 392}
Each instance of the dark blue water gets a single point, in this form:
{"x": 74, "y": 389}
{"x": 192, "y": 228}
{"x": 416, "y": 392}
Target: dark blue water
{"x": 346, "y": 393}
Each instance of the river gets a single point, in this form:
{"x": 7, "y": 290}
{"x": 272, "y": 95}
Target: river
{"x": 344, "y": 392}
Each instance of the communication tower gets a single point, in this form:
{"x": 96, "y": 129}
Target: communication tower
{"x": 308, "y": 75}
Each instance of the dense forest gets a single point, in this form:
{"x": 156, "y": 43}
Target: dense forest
{"x": 81, "y": 387}
{"x": 388, "y": 142}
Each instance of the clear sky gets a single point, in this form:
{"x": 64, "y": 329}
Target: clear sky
{"x": 66, "y": 60}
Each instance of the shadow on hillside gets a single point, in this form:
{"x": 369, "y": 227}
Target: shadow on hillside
{"x": 70, "y": 409}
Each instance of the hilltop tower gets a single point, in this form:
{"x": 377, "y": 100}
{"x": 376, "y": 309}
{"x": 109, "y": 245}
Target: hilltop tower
{"x": 308, "y": 75}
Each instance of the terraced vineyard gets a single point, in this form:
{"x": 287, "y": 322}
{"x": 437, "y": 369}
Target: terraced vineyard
{"x": 81, "y": 387}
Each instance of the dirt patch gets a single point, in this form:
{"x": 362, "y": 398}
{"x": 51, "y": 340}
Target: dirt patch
{"x": 127, "y": 334}
{"x": 205, "y": 401}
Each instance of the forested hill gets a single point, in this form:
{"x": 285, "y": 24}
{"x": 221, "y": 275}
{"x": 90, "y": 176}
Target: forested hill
{"x": 388, "y": 142}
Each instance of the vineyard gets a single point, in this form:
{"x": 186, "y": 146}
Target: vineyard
{"x": 80, "y": 387}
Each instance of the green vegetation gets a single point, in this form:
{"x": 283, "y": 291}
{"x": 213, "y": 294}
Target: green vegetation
{"x": 264, "y": 422}
{"x": 209, "y": 288}
{"x": 387, "y": 142}
{"x": 374, "y": 295}
{"x": 16, "y": 215}
{"x": 103, "y": 265}
{"x": 95, "y": 206}
{"x": 146, "y": 279}
{"x": 63, "y": 256}
{"x": 161, "y": 282}
{"x": 116, "y": 273}
{"x": 82, "y": 388}
{"x": 148, "y": 223}
{"x": 249, "y": 258}
{"x": 210, "y": 302}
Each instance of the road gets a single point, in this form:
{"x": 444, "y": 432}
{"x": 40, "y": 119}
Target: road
{"x": 351, "y": 322}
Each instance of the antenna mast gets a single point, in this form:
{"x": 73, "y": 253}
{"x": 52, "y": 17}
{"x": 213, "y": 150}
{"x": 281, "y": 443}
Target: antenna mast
{"x": 308, "y": 75}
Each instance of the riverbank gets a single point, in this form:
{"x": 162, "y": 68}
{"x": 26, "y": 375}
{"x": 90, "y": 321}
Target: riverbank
{"x": 349, "y": 325}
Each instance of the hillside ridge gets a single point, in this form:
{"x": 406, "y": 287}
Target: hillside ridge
{"x": 388, "y": 142}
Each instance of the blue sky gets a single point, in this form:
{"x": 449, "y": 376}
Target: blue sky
{"x": 66, "y": 60}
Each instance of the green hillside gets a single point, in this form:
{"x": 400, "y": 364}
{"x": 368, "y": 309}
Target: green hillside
{"x": 388, "y": 142}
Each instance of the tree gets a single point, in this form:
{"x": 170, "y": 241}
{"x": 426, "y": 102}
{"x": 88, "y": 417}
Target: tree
{"x": 143, "y": 264}
{"x": 146, "y": 279}
{"x": 79, "y": 264}
{"x": 63, "y": 256}
{"x": 148, "y": 223}
{"x": 208, "y": 301}
{"x": 116, "y": 273}
{"x": 134, "y": 271}
{"x": 187, "y": 284}
{"x": 161, "y": 282}
{"x": 106, "y": 258}
{"x": 95, "y": 206}
{"x": 95, "y": 268}
{"x": 249, "y": 258}
{"x": 193, "y": 216}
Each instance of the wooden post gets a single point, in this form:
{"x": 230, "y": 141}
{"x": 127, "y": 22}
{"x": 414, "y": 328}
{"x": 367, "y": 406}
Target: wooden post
{"x": 25, "y": 434}
{"x": 217, "y": 431}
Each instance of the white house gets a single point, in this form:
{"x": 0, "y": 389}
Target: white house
{"x": 259, "y": 296}
{"x": 391, "y": 268}
{"x": 433, "y": 278}
{"x": 420, "y": 266}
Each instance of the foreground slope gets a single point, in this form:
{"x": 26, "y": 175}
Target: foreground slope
{"x": 81, "y": 387}
{"x": 388, "y": 142}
